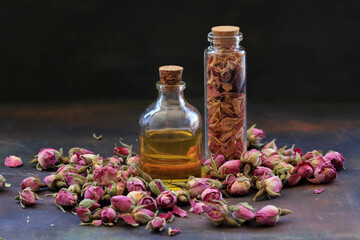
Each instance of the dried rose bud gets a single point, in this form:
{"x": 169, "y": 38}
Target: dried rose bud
{"x": 183, "y": 196}
{"x": 48, "y": 158}
{"x": 115, "y": 161}
{"x": 270, "y": 145}
{"x": 166, "y": 199}
{"x": 219, "y": 160}
{"x": 211, "y": 195}
{"x": 179, "y": 212}
{"x": 120, "y": 188}
{"x": 148, "y": 203}
{"x": 197, "y": 185}
{"x": 136, "y": 196}
{"x": 230, "y": 167}
{"x": 133, "y": 159}
{"x": 293, "y": 179}
{"x": 254, "y": 136}
{"x": 142, "y": 215}
{"x": 239, "y": 186}
{"x": 33, "y": 183}
{"x": 13, "y": 161}
{"x": 242, "y": 212}
{"x": 108, "y": 216}
{"x": 3, "y": 182}
{"x": 283, "y": 170}
{"x": 269, "y": 215}
{"x": 157, "y": 186}
{"x": 124, "y": 175}
{"x": 336, "y": 159}
{"x": 135, "y": 184}
{"x": 65, "y": 169}
{"x": 80, "y": 151}
{"x": 121, "y": 151}
{"x": 65, "y": 198}
{"x": 94, "y": 193}
{"x": 173, "y": 232}
{"x": 260, "y": 171}
{"x": 74, "y": 178}
{"x": 83, "y": 214}
{"x": 318, "y": 160}
{"x": 27, "y": 197}
{"x": 75, "y": 189}
{"x": 218, "y": 214}
{"x": 105, "y": 175}
{"x": 251, "y": 157}
{"x": 324, "y": 173}
{"x": 156, "y": 225}
{"x": 271, "y": 186}
{"x": 271, "y": 161}
{"x": 90, "y": 204}
{"x": 304, "y": 168}
{"x": 122, "y": 204}
{"x": 311, "y": 155}
{"x": 55, "y": 182}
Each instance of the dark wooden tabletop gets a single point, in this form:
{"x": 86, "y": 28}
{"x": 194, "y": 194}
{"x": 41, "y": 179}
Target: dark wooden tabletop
{"x": 334, "y": 214}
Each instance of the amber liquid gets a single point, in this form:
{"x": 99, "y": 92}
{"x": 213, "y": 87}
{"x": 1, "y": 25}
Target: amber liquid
{"x": 171, "y": 155}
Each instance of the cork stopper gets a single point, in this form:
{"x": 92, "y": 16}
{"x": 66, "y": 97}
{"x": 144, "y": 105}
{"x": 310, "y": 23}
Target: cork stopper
{"x": 225, "y": 30}
{"x": 225, "y": 35}
{"x": 170, "y": 74}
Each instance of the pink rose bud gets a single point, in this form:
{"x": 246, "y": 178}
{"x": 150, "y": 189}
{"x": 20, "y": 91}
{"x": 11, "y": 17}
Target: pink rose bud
{"x": 74, "y": 178}
{"x": 33, "y": 183}
{"x": 318, "y": 160}
{"x": 105, "y": 175}
{"x": 27, "y": 197}
{"x": 54, "y": 182}
{"x": 115, "y": 161}
{"x": 242, "y": 212}
{"x": 83, "y": 214}
{"x": 65, "y": 169}
{"x": 252, "y": 157}
{"x": 260, "y": 171}
{"x": 336, "y": 159}
{"x": 269, "y": 215}
{"x": 271, "y": 161}
{"x": 157, "y": 186}
{"x": 122, "y": 204}
{"x": 219, "y": 160}
{"x": 304, "y": 168}
{"x": 239, "y": 186}
{"x": 183, "y": 196}
{"x": 65, "y": 198}
{"x": 121, "y": 151}
{"x": 120, "y": 187}
{"x": 324, "y": 173}
{"x": 311, "y": 155}
{"x": 211, "y": 195}
{"x": 156, "y": 225}
{"x": 94, "y": 193}
{"x": 79, "y": 151}
{"x": 255, "y": 136}
{"x": 142, "y": 215}
{"x": 271, "y": 186}
{"x": 133, "y": 159}
{"x": 48, "y": 158}
{"x": 135, "y": 184}
{"x": 136, "y": 196}
{"x": 166, "y": 199}
{"x": 218, "y": 214}
{"x": 270, "y": 145}
{"x": 148, "y": 203}
{"x": 294, "y": 179}
{"x": 108, "y": 216}
{"x": 230, "y": 167}
{"x": 13, "y": 161}
{"x": 173, "y": 232}
{"x": 196, "y": 186}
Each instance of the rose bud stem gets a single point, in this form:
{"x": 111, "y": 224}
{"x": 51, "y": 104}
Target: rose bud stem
{"x": 231, "y": 222}
{"x": 179, "y": 184}
{"x": 284, "y": 212}
{"x": 247, "y": 169}
{"x": 259, "y": 193}
{"x": 144, "y": 175}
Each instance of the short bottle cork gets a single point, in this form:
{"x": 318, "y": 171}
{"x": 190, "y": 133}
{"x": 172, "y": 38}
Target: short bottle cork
{"x": 170, "y": 74}
{"x": 225, "y": 35}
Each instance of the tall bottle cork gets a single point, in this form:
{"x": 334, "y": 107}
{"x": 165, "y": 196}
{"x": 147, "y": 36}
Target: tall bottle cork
{"x": 223, "y": 35}
{"x": 170, "y": 74}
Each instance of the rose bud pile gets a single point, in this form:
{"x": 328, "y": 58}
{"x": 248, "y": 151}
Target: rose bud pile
{"x": 104, "y": 190}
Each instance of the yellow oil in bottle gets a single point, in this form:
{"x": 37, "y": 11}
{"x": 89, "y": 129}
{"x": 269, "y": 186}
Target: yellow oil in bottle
{"x": 171, "y": 155}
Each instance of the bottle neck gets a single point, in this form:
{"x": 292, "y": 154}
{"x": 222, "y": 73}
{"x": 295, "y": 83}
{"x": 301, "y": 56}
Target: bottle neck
{"x": 225, "y": 42}
{"x": 171, "y": 94}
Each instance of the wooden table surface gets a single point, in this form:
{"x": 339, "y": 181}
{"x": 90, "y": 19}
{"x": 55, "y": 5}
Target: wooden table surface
{"x": 334, "y": 214}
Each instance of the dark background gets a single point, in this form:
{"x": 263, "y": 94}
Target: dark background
{"x": 79, "y": 50}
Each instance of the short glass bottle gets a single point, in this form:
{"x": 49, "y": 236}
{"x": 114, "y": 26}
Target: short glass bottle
{"x": 171, "y": 132}
{"x": 225, "y": 93}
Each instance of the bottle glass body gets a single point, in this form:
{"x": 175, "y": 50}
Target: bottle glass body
{"x": 225, "y": 97}
{"x": 171, "y": 136}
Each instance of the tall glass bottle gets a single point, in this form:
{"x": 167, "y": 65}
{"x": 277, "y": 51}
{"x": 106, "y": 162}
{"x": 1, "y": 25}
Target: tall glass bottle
{"x": 225, "y": 93}
{"x": 170, "y": 131}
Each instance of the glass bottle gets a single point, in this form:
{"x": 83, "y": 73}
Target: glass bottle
{"x": 225, "y": 93}
{"x": 170, "y": 132}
